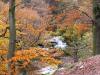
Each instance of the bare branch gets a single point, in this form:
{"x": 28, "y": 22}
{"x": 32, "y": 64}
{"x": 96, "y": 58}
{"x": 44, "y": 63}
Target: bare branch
{"x": 4, "y": 33}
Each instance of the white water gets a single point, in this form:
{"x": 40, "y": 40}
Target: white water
{"x": 49, "y": 70}
{"x": 60, "y": 43}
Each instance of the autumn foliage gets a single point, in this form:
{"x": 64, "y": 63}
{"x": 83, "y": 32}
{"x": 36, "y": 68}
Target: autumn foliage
{"x": 23, "y": 58}
{"x": 31, "y": 29}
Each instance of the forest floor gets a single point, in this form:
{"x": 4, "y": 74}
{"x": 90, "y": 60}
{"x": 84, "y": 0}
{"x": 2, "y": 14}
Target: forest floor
{"x": 90, "y": 66}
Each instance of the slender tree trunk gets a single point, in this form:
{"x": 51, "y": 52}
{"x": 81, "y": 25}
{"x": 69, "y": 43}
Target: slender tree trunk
{"x": 96, "y": 11}
{"x": 12, "y": 38}
{"x": 75, "y": 55}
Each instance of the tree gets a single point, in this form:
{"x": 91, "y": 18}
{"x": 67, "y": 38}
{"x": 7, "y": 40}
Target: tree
{"x": 12, "y": 30}
{"x": 96, "y": 11}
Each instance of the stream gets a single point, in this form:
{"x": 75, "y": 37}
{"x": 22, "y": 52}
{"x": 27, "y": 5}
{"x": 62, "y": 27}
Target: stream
{"x": 58, "y": 43}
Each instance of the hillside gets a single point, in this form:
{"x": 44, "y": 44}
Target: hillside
{"x": 90, "y": 66}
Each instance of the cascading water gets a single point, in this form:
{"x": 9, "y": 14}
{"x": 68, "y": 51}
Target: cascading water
{"x": 58, "y": 42}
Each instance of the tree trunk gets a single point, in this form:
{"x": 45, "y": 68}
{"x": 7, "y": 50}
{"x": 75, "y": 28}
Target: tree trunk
{"x": 96, "y": 11}
{"x": 75, "y": 55}
{"x": 12, "y": 38}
